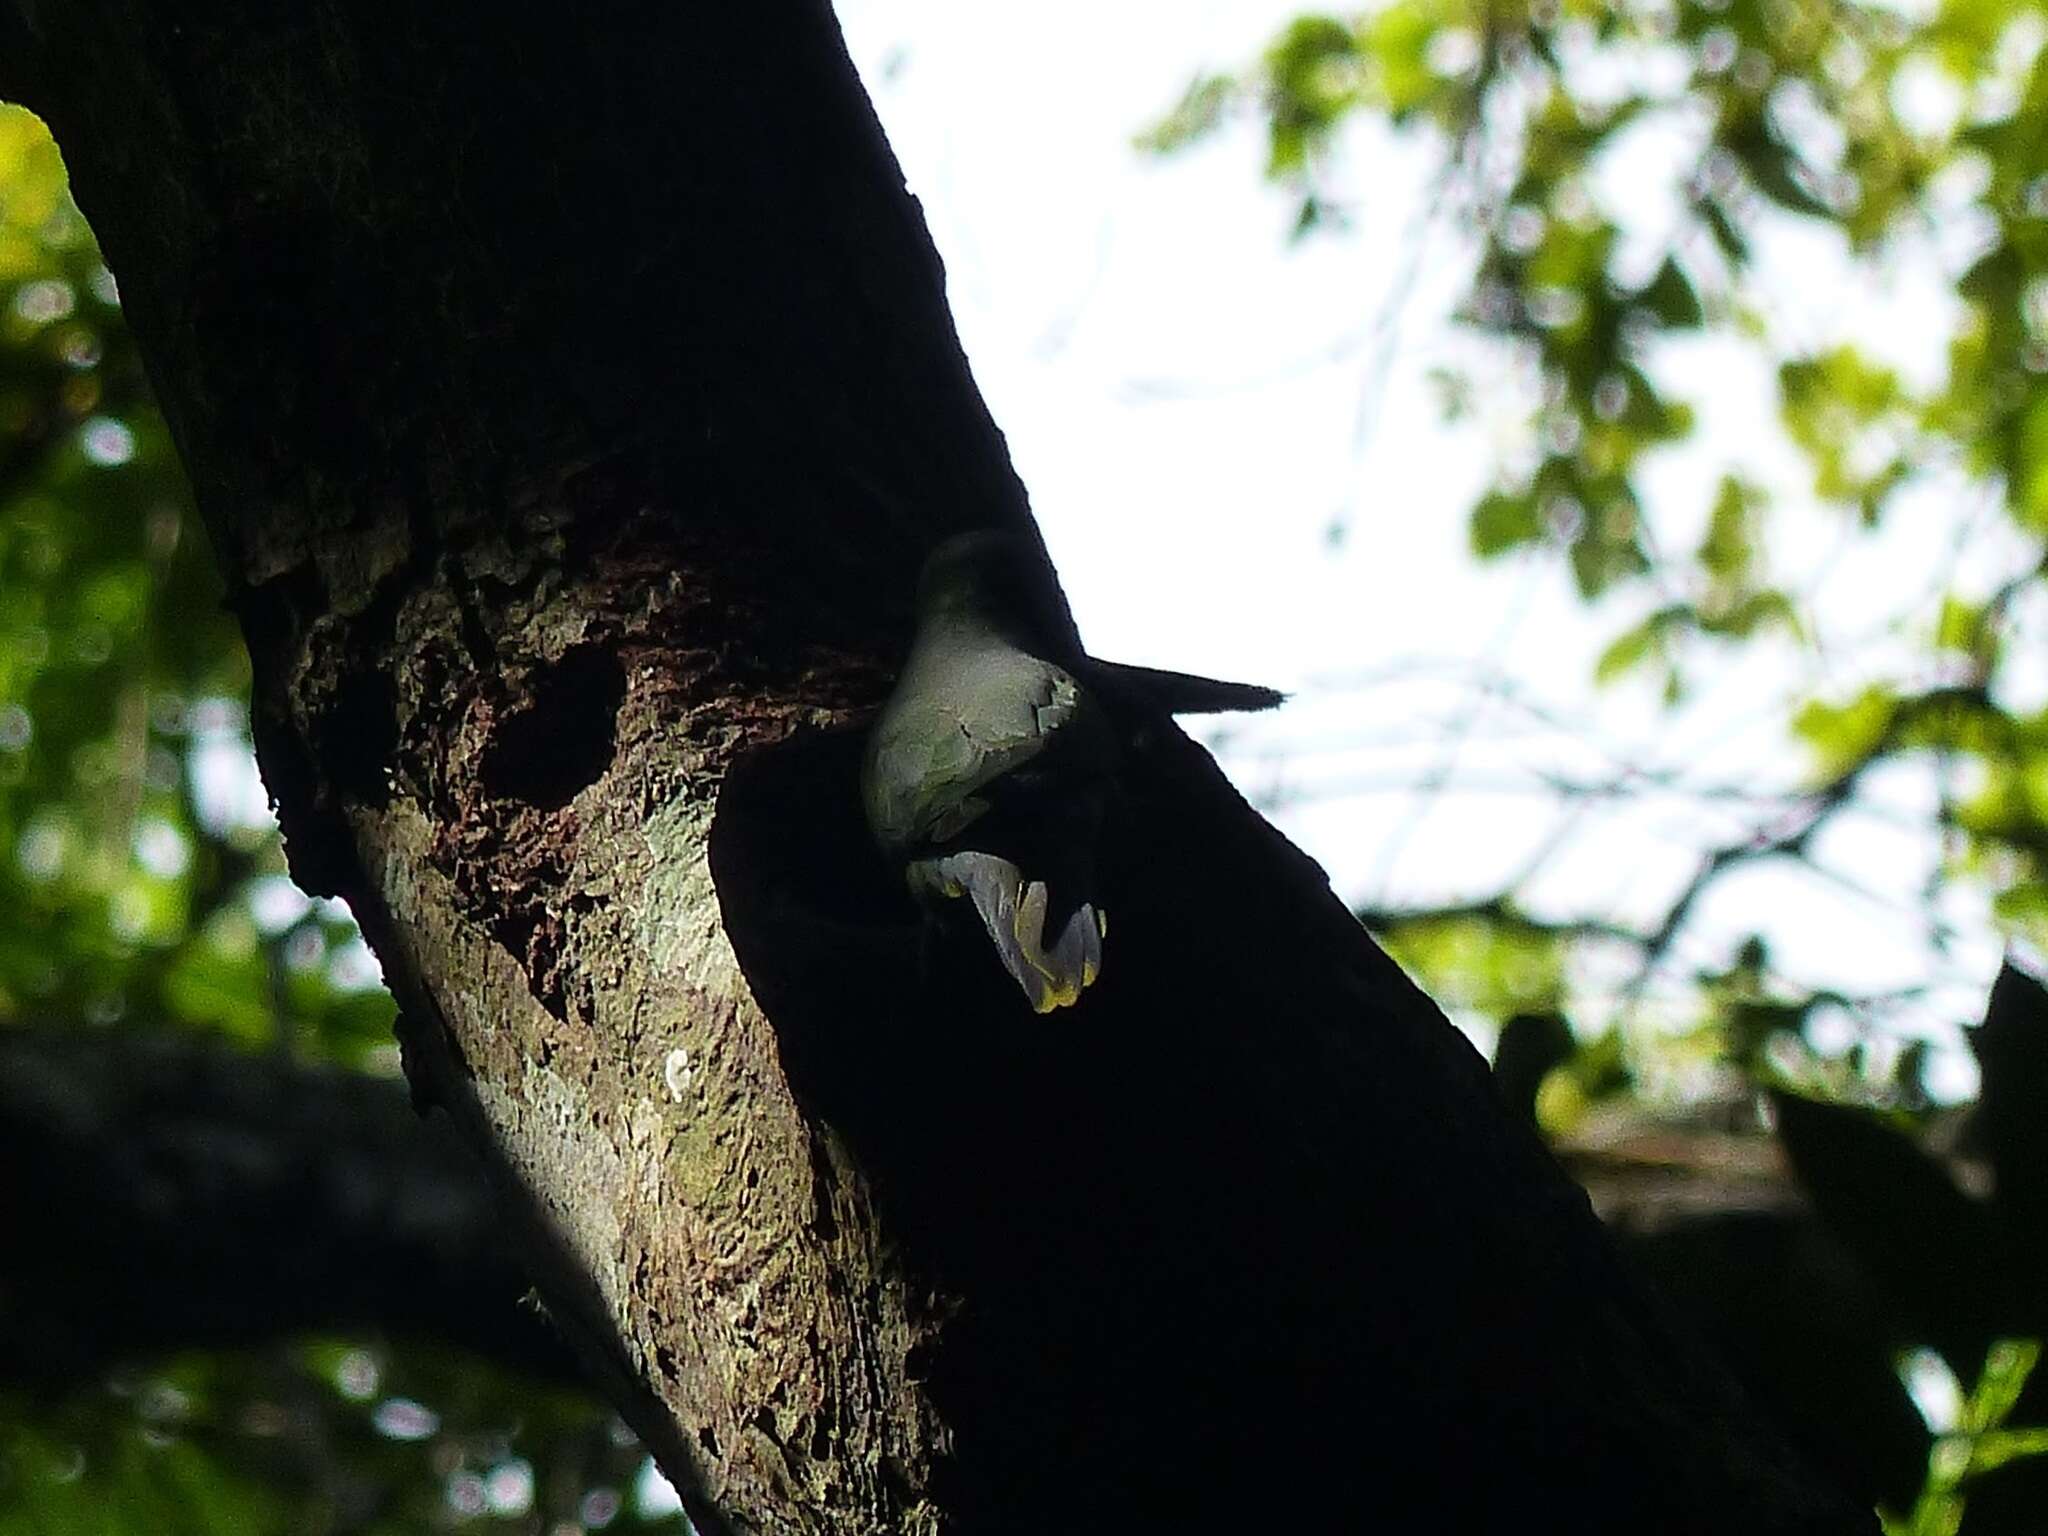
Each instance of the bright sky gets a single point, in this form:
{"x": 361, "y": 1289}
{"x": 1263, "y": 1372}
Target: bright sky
{"x": 1192, "y": 402}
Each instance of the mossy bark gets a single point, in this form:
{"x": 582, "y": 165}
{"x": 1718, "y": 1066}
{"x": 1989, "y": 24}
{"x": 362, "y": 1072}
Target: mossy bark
{"x": 570, "y": 394}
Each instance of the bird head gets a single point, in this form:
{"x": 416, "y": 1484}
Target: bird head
{"x": 1001, "y": 581}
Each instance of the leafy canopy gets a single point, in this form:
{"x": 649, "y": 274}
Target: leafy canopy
{"x": 1630, "y": 176}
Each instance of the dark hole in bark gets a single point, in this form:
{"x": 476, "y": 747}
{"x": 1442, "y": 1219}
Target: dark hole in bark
{"x": 359, "y": 736}
{"x": 789, "y": 842}
{"x": 563, "y": 740}
{"x": 824, "y": 929}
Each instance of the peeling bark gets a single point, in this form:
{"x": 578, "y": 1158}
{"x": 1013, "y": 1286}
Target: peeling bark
{"x": 570, "y": 396}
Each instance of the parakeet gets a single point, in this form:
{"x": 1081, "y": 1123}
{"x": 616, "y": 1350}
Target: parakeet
{"x": 991, "y": 766}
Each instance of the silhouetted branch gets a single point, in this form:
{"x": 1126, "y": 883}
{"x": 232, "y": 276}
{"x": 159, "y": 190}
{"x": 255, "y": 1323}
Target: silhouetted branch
{"x": 159, "y": 1191}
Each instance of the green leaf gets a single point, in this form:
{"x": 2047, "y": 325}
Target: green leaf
{"x": 1313, "y": 77}
{"x": 223, "y": 981}
{"x": 1498, "y": 962}
{"x": 1503, "y": 521}
{"x": 1729, "y": 548}
{"x": 1752, "y": 613}
{"x": 1842, "y": 736}
{"x": 1606, "y": 550}
{"x": 2030, "y": 466}
{"x": 1628, "y": 650}
{"x": 1670, "y": 297}
{"x": 2007, "y": 1365}
{"x": 1996, "y": 1447}
{"x": 2024, "y": 907}
{"x": 1197, "y": 114}
{"x": 1960, "y": 626}
{"x": 1398, "y": 40}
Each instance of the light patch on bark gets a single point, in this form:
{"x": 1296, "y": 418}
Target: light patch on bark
{"x": 675, "y": 1074}
{"x": 680, "y": 930}
{"x": 545, "y": 1124}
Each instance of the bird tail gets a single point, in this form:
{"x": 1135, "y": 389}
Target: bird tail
{"x": 1181, "y": 693}
{"x": 1013, "y": 910}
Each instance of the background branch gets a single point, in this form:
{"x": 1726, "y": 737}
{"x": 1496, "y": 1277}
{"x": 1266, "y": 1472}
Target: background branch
{"x": 162, "y": 1192}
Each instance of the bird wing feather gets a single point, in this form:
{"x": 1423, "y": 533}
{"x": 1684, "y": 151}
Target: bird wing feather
{"x": 939, "y": 752}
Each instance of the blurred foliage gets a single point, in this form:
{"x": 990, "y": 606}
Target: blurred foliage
{"x": 1983, "y": 1442}
{"x": 1878, "y": 132}
{"x": 321, "y": 1438}
{"x": 143, "y": 884}
{"x": 142, "y": 887}
{"x": 1964, "y": 1273}
{"x": 1490, "y": 959}
{"x": 1872, "y": 126}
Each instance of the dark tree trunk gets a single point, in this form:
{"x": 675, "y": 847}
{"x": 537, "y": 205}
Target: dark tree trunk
{"x": 571, "y": 396}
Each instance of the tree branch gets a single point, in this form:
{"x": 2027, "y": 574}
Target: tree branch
{"x": 162, "y": 1193}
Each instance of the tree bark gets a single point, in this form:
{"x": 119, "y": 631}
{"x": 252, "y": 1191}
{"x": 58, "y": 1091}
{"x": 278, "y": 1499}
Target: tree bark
{"x": 571, "y": 396}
